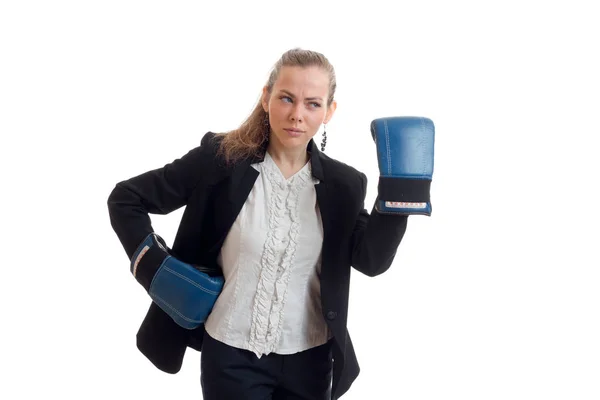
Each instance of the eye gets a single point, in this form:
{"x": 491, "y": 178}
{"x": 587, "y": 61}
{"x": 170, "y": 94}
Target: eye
{"x": 315, "y": 104}
{"x": 286, "y": 98}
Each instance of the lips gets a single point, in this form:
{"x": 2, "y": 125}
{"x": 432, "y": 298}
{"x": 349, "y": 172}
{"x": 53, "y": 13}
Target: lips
{"x": 294, "y": 132}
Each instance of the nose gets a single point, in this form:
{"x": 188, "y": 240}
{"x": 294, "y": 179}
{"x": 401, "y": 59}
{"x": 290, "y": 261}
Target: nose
{"x": 296, "y": 113}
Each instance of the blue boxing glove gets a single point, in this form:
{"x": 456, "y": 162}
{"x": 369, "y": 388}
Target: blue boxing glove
{"x": 181, "y": 290}
{"x": 405, "y": 156}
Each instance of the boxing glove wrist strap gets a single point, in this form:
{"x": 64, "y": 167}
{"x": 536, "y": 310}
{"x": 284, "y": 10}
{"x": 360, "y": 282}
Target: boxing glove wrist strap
{"x": 147, "y": 259}
{"x": 403, "y": 189}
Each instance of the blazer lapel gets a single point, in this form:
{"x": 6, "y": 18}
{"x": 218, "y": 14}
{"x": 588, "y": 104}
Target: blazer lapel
{"x": 324, "y": 200}
{"x": 231, "y": 197}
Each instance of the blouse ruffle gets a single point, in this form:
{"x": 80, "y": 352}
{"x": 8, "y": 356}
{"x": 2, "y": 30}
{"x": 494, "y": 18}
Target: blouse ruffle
{"x": 269, "y": 302}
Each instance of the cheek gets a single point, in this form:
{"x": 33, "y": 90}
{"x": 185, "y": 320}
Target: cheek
{"x": 317, "y": 117}
{"x": 276, "y": 111}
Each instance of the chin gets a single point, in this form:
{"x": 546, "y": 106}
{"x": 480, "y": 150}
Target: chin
{"x": 288, "y": 140}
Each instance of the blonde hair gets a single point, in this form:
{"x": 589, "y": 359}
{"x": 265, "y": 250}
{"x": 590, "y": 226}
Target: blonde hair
{"x": 249, "y": 138}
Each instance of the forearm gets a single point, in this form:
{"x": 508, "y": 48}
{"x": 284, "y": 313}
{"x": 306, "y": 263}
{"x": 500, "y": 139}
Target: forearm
{"x": 129, "y": 217}
{"x": 376, "y": 241}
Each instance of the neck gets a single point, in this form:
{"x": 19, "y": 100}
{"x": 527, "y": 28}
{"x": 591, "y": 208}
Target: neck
{"x": 289, "y": 161}
{"x": 293, "y": 159}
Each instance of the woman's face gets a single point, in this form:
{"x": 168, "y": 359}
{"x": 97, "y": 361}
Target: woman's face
{"x": 297, "y": 105}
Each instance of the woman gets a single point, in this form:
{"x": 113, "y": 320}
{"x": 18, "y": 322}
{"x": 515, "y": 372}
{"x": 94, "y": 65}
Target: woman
{"x": 283, "y": 223}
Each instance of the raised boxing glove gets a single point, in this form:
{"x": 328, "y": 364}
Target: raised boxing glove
{"x": 405, "y": 150}
{"x": 181, "y": 290}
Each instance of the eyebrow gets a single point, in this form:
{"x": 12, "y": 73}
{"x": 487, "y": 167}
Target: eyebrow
{"x": 292, "y": 96}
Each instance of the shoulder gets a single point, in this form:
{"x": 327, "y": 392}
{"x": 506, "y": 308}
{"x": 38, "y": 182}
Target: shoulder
{"x": 210, "y": 142}
{"x": 199, "y": 162}
{"x": 343, "y": 174}
{"x": 203, "y": 154}
{"x": 208, "y": 150}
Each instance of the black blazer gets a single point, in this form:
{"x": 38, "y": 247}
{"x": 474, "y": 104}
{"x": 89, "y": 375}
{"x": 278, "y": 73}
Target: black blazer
{"x": 213, "y": 195}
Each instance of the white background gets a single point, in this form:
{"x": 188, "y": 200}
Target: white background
{"x": 495, "y": 296}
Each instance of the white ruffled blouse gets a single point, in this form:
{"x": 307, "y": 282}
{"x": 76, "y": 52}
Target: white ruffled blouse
{"x": 271, "y": 259}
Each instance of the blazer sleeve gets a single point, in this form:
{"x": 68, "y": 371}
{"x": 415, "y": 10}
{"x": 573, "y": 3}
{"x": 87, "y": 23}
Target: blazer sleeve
{"x": 159, "y": 191}
{"x": 376, "y": 238}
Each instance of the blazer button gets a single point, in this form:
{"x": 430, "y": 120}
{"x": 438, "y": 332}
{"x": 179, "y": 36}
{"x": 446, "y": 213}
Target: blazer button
{"x": 331, "y": 315}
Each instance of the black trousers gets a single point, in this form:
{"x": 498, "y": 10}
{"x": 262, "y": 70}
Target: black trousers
{"x": 229, "y": 373}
